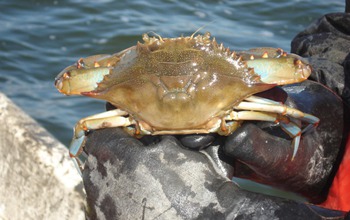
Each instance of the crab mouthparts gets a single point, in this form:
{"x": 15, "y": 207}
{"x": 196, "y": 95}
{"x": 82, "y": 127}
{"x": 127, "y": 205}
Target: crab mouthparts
{"x": 173, "y": 97}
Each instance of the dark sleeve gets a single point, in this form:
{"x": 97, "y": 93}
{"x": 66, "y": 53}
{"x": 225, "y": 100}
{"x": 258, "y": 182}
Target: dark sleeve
{"x": 326, "y": 44}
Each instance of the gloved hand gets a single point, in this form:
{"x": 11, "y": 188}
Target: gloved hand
{"x": 126, "y": 179}
{"x": 268, "y": 157}
{"x": 326, "y": 44}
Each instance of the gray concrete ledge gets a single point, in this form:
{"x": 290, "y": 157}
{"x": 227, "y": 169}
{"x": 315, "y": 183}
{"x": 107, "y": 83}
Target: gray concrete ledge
{"x": 37, "y": 178}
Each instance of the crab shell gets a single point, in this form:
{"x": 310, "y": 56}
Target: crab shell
{"x": 180, "y": 85}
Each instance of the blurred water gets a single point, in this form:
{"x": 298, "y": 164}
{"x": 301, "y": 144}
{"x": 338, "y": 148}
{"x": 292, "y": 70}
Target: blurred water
{"x": 38, "y": 38}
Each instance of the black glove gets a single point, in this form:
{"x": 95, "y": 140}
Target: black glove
{"x": 326, "y": 44}
{"x": 269, "y": 157}
{"x": 125, "y": 179}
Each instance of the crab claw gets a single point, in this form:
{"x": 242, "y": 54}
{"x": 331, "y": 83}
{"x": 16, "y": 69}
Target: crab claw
{"x": 85, "y": 74}
{"x": 281, "y": 71}
{"x": 276, "y": 66}
{"x": 74, "y": 81}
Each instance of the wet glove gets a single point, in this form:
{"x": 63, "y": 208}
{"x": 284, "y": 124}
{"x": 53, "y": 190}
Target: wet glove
{"x": 127, "y": 179}
{"x": 268, "y": 157}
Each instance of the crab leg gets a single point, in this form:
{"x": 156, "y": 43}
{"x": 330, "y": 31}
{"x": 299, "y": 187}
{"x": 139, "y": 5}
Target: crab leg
{"x": 290, "y": 128}
{"x": 294, "y": 131}
{"x": 267, "y": 110}
{"x": 308, "y": 118}
{"x": 280, "y": 109}
{"x": 258, "y": 99}
{"x": 113, "y": 118}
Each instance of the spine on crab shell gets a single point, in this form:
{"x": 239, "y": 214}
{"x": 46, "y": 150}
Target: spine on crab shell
{"x": 214, "y": 43}
{"x": 232, "y": 54}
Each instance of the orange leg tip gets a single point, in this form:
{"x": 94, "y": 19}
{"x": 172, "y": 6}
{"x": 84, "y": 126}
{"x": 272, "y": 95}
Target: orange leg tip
{"x": 223, "y": 126}
{"x": 137, "y": 129}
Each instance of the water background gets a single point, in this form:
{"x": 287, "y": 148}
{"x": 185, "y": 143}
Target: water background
{"x": 38, "y": 38}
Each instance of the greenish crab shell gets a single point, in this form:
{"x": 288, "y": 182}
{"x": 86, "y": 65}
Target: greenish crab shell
{"x": 174, "y": 84}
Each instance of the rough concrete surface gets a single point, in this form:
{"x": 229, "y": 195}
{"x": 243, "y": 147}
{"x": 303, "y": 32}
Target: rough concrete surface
{"x": 37, "y": 178}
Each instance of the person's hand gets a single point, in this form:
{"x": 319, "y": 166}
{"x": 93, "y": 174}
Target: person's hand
{"x": 269, "y": 157}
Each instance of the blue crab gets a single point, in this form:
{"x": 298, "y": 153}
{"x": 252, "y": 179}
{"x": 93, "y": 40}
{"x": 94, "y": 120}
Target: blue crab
{"x": 185, "y": 85}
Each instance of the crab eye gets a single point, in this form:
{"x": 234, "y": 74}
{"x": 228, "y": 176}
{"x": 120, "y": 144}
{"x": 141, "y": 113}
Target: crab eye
{"x": 279, "y": 52}
{"x": 80, "y": 63}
